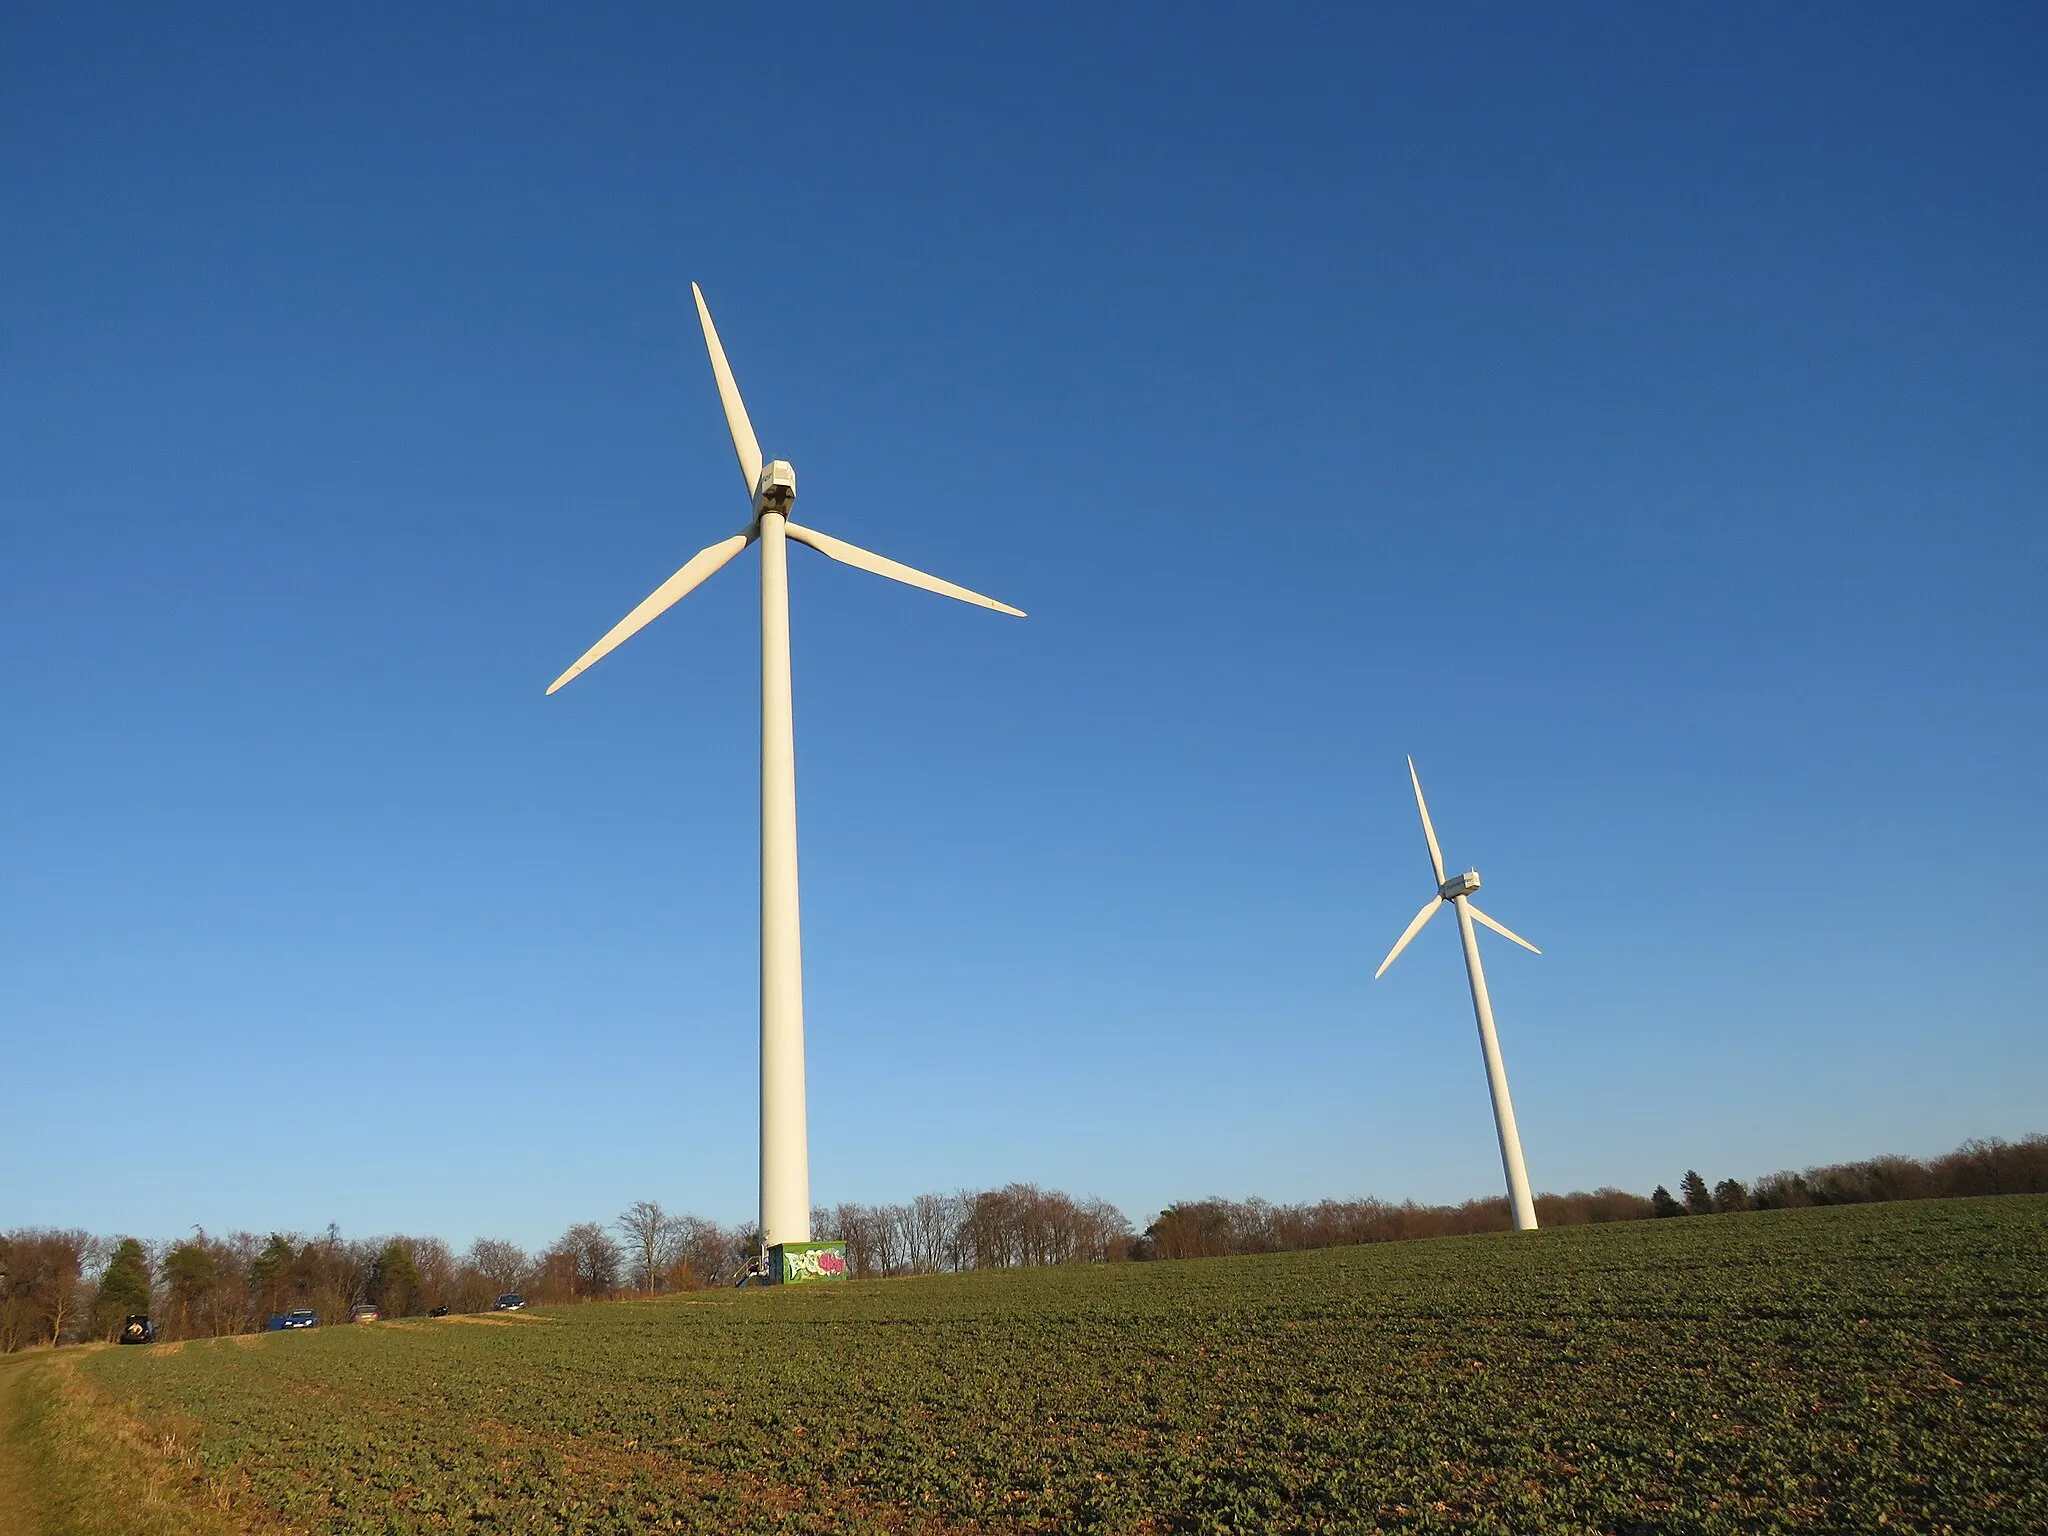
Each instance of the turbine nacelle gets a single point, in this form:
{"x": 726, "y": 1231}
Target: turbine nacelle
{"x": 776, "y": 489}
{"x": 1449, "y": 888}
{"x": 1459, "y": 885}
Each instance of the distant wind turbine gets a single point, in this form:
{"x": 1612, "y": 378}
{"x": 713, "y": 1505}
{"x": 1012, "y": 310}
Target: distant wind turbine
{"x": 785, "y": 1141}
{"x": 1458, "y": 892}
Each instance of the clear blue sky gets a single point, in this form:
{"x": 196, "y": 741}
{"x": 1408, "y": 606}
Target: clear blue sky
{"x": 1637, "y": 416}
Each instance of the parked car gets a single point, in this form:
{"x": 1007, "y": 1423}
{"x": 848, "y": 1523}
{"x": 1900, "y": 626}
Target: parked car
{"x": 511, "y": 1301}
{"x": 363, "y": 1312}
{"x": 138, "y": 1329}
{"x": 298, "y": 1317}
{"x": 440, "y": 1311}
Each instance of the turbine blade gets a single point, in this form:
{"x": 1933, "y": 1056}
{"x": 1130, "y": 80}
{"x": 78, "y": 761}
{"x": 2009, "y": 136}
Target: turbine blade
{"x": 735, "y": 408}
{"x": 853, "y": 554}
{"x": 1436, "y": 854}
{"x": 1421, "y": 920}
{"x": 1504, "y": 932}
{"x": 666, "y": 596}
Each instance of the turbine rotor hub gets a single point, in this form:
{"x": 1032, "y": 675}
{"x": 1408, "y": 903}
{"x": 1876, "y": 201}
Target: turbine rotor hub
{"x": 776, "y": 491}
{"x": 1459, "y": 885}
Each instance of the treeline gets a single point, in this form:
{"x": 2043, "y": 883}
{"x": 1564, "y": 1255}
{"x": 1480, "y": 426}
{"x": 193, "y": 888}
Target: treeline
{"x": 1213, "y": 1228}
{"x": 1008, "y": 1228}
{"x": 1987, "y": 1167}
{"x": 60, "y": 1286}
{"x": 70, "y": 1286}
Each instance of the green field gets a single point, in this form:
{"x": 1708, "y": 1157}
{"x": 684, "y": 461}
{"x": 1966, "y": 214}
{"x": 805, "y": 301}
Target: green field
{"x": 1853, "y": 1368}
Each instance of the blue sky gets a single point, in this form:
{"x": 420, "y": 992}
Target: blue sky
{"x": 1637, "y": 417}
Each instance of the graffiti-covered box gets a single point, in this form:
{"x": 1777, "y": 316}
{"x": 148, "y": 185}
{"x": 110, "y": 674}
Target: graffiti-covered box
{"x": 799, "y": 1263}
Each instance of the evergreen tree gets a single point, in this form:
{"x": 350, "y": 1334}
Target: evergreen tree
{"x": 397, "y": 1280}
{"x": 1729, "y": 1195}
{"x": 124, "y": 1288}
{"x": 1661, "y": 1203}
{"x": 192, "y": 1276}
{"x": 270, "y": 1272}
{"x": 1697, "y": 1201}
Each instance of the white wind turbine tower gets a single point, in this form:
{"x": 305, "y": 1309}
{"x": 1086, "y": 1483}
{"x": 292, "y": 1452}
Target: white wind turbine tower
{"x": 1458, "y": 892}
{"x": 785, "y": 1143}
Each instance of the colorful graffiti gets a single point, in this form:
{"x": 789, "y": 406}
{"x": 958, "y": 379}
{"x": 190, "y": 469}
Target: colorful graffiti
{"x": 798, "y": 1263}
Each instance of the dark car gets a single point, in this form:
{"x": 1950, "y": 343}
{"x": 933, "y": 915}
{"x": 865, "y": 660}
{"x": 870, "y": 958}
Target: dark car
{"x": 298, "y": 1317}
{"x": 441, "y": 1311}
{"x": 511, "y": 1301}
{"x": 138, "y": 1329}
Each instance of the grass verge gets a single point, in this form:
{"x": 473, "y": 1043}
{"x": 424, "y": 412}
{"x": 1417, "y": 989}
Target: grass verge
{"x": 73, "y": 1462}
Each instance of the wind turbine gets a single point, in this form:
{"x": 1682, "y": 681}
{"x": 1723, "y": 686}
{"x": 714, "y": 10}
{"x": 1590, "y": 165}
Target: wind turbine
{"x": 1457, "y": 891}
{"x": 785, "y": 1140}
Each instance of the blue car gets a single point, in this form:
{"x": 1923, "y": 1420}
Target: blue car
{"x": 298, "y": 1317}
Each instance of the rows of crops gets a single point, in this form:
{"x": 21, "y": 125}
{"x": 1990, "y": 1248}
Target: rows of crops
{"x": 1862, "y": 1368}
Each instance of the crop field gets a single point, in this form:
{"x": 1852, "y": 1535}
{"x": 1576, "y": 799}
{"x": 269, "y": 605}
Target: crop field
{"x": 1857, "y": 1368}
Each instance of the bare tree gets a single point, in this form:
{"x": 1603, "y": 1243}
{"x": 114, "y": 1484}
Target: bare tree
{"x": 41, "y": 1290}
{"x": 592, "y": 1259}
{"x": 440, "y": 1279}
{"x": 650, "y": 1234}
{"x": 707, "y": 1254}
{"x": 890, "y": 1225}
{"x": 1103, "y": 1232}
{"x": 504, "y": 1265}
{"x": 934, "y": 1220}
